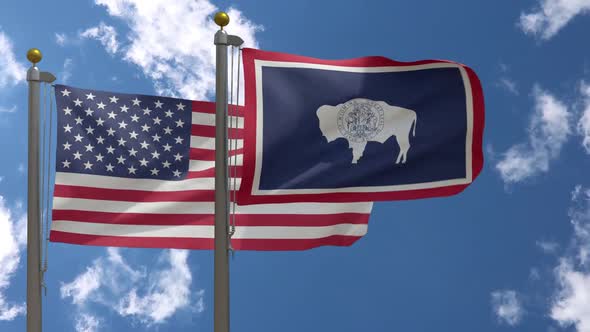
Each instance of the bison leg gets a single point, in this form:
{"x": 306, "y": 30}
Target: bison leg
{"x": 404, "y": 146}
{"x": 399, "y": 157}
{"x": 357, "y": 151}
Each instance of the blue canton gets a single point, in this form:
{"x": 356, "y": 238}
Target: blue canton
{"x": 123, "y": 135}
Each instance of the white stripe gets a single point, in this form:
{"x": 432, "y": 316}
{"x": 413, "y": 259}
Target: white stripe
{"x": 199, "y": 231}
{"x": 298, "y": 232}
{"x": 208, "y": 119}
{"x": 109, "y": 182}
{"x": 62, "y": 203}
{"x": 208, "y": 143}
{"x": 200, "y": 165}
{"x": 382, "y": 69}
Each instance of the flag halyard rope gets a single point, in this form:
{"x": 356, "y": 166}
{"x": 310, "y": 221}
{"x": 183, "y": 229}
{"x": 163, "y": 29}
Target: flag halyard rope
{"x": 45, "y": 149}
{"x": 232, "y": 144}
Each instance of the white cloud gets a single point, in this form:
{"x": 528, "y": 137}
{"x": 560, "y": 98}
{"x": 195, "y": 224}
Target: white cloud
{"x": 178, "y": 57}
{"x": 100, "y": 280}
{"x": 508, "y": 85}
{"x": 576, "y": 192}
{"x": 106, "y": 34}
{"x": 503, "y": 67}
{"x": 87, "y": 323}
{"x": 61, "y": 39}
{"x": 584, "y": 122}
{"x": 169, "y": 291}
{"x": 549, "y": 129}
{"x": 571, "y": 304}
{"x": 12, "y": 72}
{"x": 21, "y": 168}
{"x": 8, "y": 110}
{"x": 580, "y": 219}
{"x": 151, "y": 298}
{"x": 507, "y": 307}
{"x": 84, "y": 285}
{"x": 548, "y": 247}
{"x": 66, "y": 73}
{"x": 11, "y": 243}
{"x": 551, "y": 15}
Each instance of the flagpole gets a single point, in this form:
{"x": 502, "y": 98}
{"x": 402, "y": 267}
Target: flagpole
{"x": 35, "y": 78}
{"x": 221, "y": 273}
{"x": 221, "y": 270}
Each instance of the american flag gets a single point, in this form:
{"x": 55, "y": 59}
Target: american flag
{"x": 138, "y": 171}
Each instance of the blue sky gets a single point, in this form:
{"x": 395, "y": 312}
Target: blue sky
{"x": 511, "y": 253}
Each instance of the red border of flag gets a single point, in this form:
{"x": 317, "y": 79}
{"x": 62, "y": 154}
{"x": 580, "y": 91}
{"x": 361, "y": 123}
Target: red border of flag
{"x": 245, "y": 193}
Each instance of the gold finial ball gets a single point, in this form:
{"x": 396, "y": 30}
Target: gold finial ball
{"x": 221, "y": 19}
{"x": 34, "y": 55}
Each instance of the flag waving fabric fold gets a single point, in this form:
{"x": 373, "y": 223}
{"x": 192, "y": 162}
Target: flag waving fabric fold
{"x": 138, "y": 171}
{"x": 365, "y": 129}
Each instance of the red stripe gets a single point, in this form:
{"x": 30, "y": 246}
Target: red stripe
{"x": 134, "y": 195}
{"x": 133, "y": 218}
{"x": 209, "y": 155}
{"x": 317, "y": 220}
{"x": 210, "y": 173}
{"x": 478, "y": 122}
{"x": 203, "y": 107}
{"x": 367, "y": 61}
{"x": 132, "y": 242}
{"x": 290, "y": 244}
{"x": 200, "y": 243}
{"x": 209, "y": 107}
{"x": 209, "y": 131}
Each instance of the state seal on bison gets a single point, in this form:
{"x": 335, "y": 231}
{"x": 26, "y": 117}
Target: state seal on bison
{"x": 363, "y": 120}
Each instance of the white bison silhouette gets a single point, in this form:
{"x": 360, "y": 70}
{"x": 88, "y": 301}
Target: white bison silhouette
{"x": 362, "y": 120}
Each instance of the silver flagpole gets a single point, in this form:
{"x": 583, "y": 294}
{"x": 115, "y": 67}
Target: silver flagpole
{"x": 221, "y": 274}
{"x": 34, "y": 77}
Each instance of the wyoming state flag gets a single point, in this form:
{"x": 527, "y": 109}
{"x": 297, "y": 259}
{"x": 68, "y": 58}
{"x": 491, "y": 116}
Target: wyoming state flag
{"x": 366, "y": 129}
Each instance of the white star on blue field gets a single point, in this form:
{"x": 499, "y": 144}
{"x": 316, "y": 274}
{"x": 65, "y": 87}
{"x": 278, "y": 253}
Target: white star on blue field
{"x": 97, "y": 138}
{"x": 510, "y": 253}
